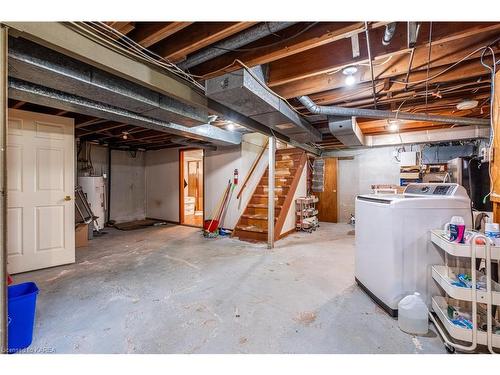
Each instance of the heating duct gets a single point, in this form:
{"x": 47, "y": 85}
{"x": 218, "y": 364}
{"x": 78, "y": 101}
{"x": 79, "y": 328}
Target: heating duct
{"x": 34, "y": 63}
{"x": 244, "y": 93}
{"x": 390, "y": 29}
{"x": 342, "y": 121}
{"x": 246, "y": 37}
{"x": 29, "y": 92}
{"x": 379, "y": 114}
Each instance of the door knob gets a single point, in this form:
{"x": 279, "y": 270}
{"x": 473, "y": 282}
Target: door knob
{"x": 67, "y": 198}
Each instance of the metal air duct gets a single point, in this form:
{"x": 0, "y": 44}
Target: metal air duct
{"x": 379, "y": 114}
{"x": 29, "y": 92}
{"x": 243, "y": 93}
{"x": 34, "y": 63}
{"x": 390, "y": 29}
{"x": 346, "y": 131}
{"x": 245, "y": 37}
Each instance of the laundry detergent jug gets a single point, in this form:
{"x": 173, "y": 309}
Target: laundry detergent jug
{"x": 413, "y": 315}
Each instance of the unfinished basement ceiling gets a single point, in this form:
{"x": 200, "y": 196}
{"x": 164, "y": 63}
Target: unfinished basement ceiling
{"x": 307, "y": 58}
{"x": 440, "y": 69}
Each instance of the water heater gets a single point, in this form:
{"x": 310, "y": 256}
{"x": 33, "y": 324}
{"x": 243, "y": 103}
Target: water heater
{"x": 94, "y": 189}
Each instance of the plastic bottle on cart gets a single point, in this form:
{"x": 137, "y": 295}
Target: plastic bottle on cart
{"x": 413, "y": 315}
{"x": 492, "y": 231}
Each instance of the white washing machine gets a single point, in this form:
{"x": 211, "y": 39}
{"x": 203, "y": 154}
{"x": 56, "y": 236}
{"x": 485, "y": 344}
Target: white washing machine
{"x": 393, "y": 250}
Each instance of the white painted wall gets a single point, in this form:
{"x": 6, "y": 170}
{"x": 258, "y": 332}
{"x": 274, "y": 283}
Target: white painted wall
{"x": 219, "y": 169}
{"x": 162, "y": 184}
{"x": 162, "y": 180}
{"x": 301, "y": 191}
{"x": 369, "y": 167}
{"x": 128, "y": 190}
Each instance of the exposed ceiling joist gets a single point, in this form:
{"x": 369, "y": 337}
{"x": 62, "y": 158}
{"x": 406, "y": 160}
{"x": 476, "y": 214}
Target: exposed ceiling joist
{"x": 314, "y": 36}
{"x": 122, "y": 27}
{"x": 315, "y": 72}
{"x": 196, "y": 37}
{"x": 468, "y": 71}
{"x": 63, "y": 39}
{"x": 149, "y": 33}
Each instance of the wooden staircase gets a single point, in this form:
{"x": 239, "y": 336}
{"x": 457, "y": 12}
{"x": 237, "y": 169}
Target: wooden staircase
{"x": 252, "y": 225}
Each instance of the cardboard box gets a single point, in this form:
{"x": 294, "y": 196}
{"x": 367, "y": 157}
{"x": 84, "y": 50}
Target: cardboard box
{"x": 81, "y": 235}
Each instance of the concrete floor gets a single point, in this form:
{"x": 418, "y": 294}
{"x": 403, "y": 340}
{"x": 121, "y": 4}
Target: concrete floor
{"x": 169, "y": 290}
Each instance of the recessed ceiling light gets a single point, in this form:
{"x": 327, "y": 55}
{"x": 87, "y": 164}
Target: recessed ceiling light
{"x": 467, "y": 104}
{"x": 349, "y": 70}
{"x": 350, "y": 80}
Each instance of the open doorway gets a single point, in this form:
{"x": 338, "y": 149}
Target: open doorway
{"x": 191, "y": 188}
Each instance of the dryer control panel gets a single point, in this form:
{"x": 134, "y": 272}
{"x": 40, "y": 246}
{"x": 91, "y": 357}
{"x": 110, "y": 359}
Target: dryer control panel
{"x": 431, "y": 189}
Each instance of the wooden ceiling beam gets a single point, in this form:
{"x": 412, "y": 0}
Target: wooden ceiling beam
{"x": 380, "y": 126}
{"x": 132, "y": 130}
{"x": 195, "y": 37}
{"x": 18, "y": 105}
{"x": 103, "y": 130}
{"x": 122, "y": 27}
{"x": 317, "y": 35}
{"x": 149, "y": 33}
{"x": 466, "y": 74}
{"x": 443, "y": 55}
{"x": 92, "y": 121}
{"x": 288, "y": 76}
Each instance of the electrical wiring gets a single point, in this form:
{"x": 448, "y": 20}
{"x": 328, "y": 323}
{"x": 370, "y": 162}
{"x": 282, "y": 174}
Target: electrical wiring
{"x": 143, "y": 52}
{"x": 428, "y": 64}
{"x": 492, "y": 69}
{"x": 267, "y": 45}
{"x": 448, "y": 68}
{"x": 127, "y": 46}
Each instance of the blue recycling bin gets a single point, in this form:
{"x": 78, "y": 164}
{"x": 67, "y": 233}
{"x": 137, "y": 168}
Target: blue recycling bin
{"x": 21, "y": 308}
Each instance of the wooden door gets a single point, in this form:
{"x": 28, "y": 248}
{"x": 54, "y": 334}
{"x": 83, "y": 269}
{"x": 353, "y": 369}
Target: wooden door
{"x": 194, "y": 183}
{"x": 40, "y": 175}
{"x": 327, "y": 205}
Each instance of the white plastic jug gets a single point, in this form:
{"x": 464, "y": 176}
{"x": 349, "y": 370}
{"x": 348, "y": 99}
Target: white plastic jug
{"x": 413, "y": 315}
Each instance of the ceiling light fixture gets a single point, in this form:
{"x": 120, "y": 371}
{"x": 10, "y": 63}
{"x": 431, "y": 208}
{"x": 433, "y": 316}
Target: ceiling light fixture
{"x": 125, "y": 135}
{"x": 349, "y": 71}
{"x": 350, "y": 80}
{"x": 230, "y": 125}
{"x": 393, "y": 125}
{"x": 467, "y": 104}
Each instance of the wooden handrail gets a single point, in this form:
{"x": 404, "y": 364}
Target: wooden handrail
{"x": 252, "y": 169}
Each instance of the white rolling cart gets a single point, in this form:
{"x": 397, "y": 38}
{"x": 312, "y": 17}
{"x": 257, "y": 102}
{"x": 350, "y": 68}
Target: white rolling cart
{"x": 456, "y": 337}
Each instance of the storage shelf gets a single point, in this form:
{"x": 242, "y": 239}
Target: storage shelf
{"x": 461, "y": 250}
{"x": 440, "y": 307}
{"x": 440, "y": 274}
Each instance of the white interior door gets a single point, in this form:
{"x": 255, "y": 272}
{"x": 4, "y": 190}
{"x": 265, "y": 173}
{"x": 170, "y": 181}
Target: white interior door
{"x": 40, "y": 195}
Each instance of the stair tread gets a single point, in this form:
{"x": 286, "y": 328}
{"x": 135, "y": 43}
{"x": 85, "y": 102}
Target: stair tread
{"x": 262, "y": 205}
{"x": 256, "y": 216}
{"x": 265, "y": 196}
{"x": 251, "y": 228}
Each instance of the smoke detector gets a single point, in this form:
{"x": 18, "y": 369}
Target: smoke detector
{"x": 467, "y": 104}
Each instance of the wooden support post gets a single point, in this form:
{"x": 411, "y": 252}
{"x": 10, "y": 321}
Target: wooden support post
{"x": 495, "y": 163}
{"x": 270, "y": 193}
{"x": 3, "y": 190}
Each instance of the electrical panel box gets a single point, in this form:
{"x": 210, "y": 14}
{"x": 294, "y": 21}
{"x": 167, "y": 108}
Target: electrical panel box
{"x": 408, "y": 158}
